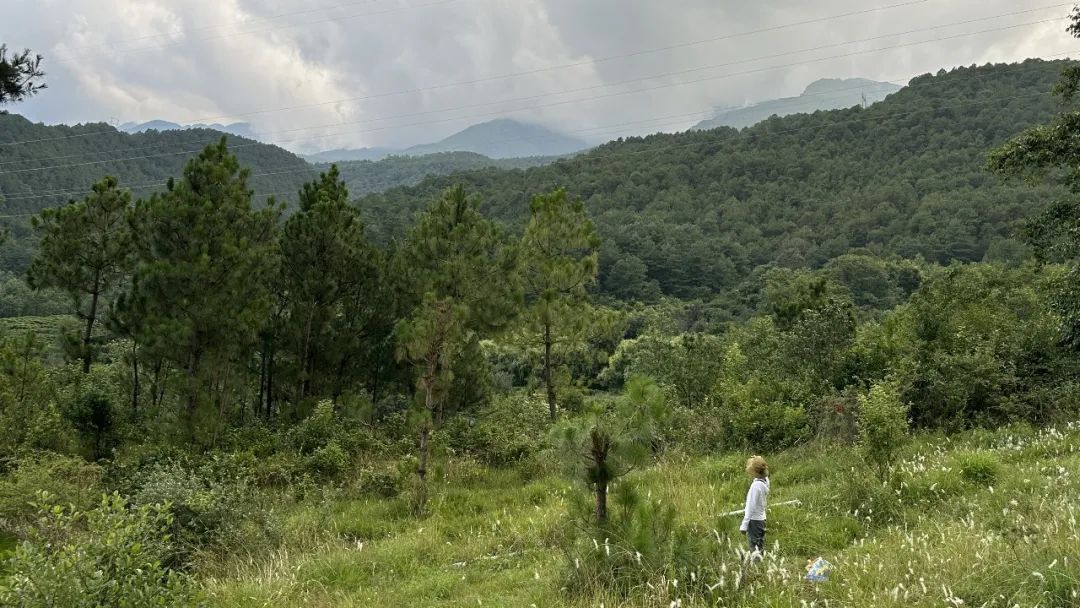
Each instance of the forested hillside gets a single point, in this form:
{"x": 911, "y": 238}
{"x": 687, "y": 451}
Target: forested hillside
{"x": 42, "y": 166}
{"x": 367, "y": 176}
{"x": 696, "y": 213}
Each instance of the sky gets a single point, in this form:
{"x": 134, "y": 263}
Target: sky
{"x": 322, "y": 74}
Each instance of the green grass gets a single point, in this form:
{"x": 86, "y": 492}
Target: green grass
{"x": 989, "y": 519}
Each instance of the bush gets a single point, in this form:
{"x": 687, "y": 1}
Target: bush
{"x": 765, "y": 425}
{"x": 108, "y": 556}
{"x": 317, "y": 430}
{"x": 327, "y": 463}
{"x": 214, "y": 506}
{"x": 982, "y": 468}
{"x": 511, "y": 431}
{"x": 91, "y": 414}
{"x": 385, "y": 481}
{"x": 72, "y": 481}
{"x": 882, "y": 425}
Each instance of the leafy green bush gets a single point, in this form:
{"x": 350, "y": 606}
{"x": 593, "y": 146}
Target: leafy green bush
{"x": 91, "y": 414}
{"x": 882, "y": 424}
{"x": 510, "y": 431}
{"x": 109, "y": 556}
{"x": 327, "y": 463}
{"x": 214, "y": 504}
{"x": 70, "y": 480}
{"x": 317, "y": 430}
{"x": 982, "y": 468}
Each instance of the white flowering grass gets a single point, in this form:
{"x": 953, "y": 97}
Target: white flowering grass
{"x": 930, "y": 536}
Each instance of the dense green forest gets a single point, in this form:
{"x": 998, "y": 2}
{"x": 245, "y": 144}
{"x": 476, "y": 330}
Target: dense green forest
{"x": 698, "y": 214}
{"x": 366, "y": 176}
{"x": 42, "y": 166}
{"x": 539, "y": 386}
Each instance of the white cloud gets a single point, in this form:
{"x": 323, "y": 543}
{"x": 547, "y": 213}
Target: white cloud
{"x": 230, "y": 59}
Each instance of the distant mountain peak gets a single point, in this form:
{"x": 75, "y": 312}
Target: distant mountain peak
{"x": 823, "y": 94}
{"x": 239, "y": 129}
{"x": 505, "y": 138}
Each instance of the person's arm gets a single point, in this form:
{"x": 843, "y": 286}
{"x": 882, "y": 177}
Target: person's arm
{"x": 751, "y": 499}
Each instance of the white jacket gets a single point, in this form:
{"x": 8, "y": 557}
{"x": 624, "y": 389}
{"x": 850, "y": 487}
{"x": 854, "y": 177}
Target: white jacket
{"x": 757, "y": 498}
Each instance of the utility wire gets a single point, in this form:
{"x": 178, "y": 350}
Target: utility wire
{"x": 521, "y": 73}
{"x": 603, "y": 155}
{"x": 565, "y": 102}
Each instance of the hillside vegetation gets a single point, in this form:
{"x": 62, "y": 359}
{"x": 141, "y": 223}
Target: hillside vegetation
{"x": 508, "y": 393}
{"x": 696, "y": 214}
{"x": 368, "y": 176}
{"x": 52, "y": 164}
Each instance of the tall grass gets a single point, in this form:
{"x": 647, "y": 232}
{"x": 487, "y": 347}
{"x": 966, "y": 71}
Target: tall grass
{"x": 980, "y": 519}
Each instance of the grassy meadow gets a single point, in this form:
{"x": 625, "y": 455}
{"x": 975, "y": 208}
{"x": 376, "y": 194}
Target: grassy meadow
{"x": 978, "y": 519}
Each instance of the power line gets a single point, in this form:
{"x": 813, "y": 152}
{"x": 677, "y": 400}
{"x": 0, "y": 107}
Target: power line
{"x": 201, "y": 141}
{"x": 599, "y": 154}
{"x": 572, "y": 101}
{"x": 523, "y": 73}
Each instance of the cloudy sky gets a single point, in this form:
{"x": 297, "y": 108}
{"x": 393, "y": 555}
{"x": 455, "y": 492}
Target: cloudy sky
{"x": 321, "y": 74}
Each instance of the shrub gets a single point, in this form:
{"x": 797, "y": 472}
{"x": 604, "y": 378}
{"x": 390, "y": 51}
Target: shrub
{"x": 982, "y": 468}
{"x": 214, "y": 506}
{"x": 386, "y": 482}
{"x": 882, "y": 425}
{"x": 91, "y": 414}
{"x": 327, "y": 463}
{"x": 510, "y": 431}
{"x": 317, "y": 430}
{"x": 71, "y": 481}
{"x": 108, "y": 556}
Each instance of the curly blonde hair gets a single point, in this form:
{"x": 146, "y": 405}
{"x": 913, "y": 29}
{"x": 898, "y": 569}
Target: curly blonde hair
{"x": 756, "y": 466}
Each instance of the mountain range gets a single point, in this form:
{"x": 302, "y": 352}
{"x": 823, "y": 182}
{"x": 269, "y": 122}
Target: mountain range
{"x": 239, "y": 129}
{"x": 501, "y": 138}
{"x": 824, "y": 94}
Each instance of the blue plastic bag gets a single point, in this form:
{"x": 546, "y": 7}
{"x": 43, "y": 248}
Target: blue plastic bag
{"x": 818, "y": 570}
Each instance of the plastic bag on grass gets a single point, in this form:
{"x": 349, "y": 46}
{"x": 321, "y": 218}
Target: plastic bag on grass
{"x": 818, "y": 570}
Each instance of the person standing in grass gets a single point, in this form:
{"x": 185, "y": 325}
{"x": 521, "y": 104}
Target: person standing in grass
{"x": 753, "y": 523}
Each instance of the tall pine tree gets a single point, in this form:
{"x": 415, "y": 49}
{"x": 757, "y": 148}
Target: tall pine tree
{"x": 466, "y": 279}
{"x": 85, "y": 250}
{"x": 200, "y": 290}
{"x": 331, "y": 275}
{"x": 560, "y": 250}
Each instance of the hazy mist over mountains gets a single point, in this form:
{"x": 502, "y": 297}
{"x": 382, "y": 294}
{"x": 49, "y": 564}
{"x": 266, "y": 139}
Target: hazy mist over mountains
{"x": 508, "y": 138}
{"x": 824, "y": 94}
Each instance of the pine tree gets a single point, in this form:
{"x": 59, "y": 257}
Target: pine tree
{"x": 85, "y": 251}
{"x": 331, "y": 274}
{"x": 611, "y": 442}
{"x": 560, "y": 250}
{"x": 200, "y": 291}
{"x": 466, "y": 278}
{"x": 20, "y": 75}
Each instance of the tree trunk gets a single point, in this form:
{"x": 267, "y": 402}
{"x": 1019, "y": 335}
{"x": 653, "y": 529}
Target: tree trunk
{"x": 549, "y": 380}
{"x": 425, "y": 451}
{"x": 600, "y": 475}
{"x": 134, "y": 381}
{"x": 601, "y": 502}
{"x": 262, "y": 381}
{"x": 305, "y": 358}
{"x": 270, "y": 381}
{"x": 91, "y": 316}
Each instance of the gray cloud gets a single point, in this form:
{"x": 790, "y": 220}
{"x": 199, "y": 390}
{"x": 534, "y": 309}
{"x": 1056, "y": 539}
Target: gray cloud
{"x": 229, "y": 60}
